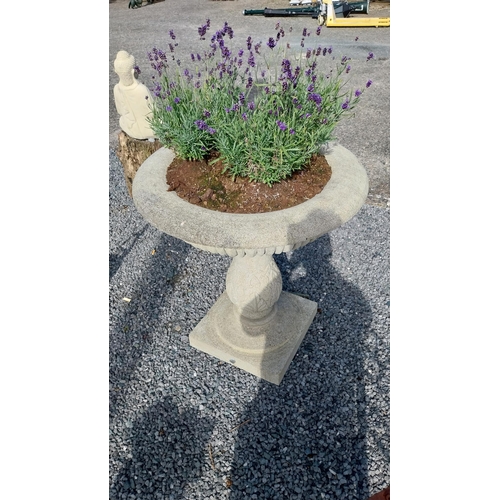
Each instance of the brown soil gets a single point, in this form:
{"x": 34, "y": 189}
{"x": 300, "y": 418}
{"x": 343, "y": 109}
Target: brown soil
{"x": 385, "y": 494}
{"x": 204, "y": 184}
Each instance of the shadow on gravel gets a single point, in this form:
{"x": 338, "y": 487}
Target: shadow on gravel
{"x": 131, "y": 323}
{"x": 307, "y": 436}
{"x": 167, "y": 453}
{"x": 116, "y": 259}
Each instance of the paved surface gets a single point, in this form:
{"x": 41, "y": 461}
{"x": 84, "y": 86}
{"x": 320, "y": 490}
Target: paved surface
{"x": 183, "y": 425}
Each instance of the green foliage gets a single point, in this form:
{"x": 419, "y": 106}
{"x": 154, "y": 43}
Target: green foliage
{"x": 266, "y": 112}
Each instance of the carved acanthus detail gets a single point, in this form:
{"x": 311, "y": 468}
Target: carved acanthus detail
{"x": 253, "y": 285}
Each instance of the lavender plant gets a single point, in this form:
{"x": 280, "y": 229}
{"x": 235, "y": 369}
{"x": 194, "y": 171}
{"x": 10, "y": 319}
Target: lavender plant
{"x": 264, "y": 110}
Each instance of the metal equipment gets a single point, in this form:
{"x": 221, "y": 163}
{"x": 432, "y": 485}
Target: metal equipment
{"x": 342, "y": 9}
{"x": 328, "y": 13}
{"x": 327, "y": 17}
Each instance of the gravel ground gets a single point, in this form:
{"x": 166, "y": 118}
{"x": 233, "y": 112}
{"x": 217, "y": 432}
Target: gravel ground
{"x": 184, "y": 425}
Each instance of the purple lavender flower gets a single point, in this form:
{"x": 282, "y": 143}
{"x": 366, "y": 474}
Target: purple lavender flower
{"x": 251, "y": 60}
{"x": 249, "y": 82}
{"x": 168, "y": 108}
{"x": 281, "y": 125}
{"x": 292, "y": 131}
{"x": 345, "y": 104}
{"x": 257, "y": 47}
{"x": 251, "y": 106}
{"x": 368, "y": 83}
{"x": 249, "y": 43}
{"x": 304, "y": 32}
{"x": 202, "y": 31}
{"x": 315, "y": 97}
{"x": 137, "y": 70}
{"x": 211, "y": 130}
{"x": 200, "y": 124}
{"x": 172, "y": 35}
{"x": 348, "y": 69}
{"x": 228, "y": 30}
{"x": 206, "y": 113}
{"x": 318, "y": 30}
{"x": 271, "y": 43}
{"x": 357, "y": 93}
{"x": 370, "y": 56}
{"x": 177, "y": 100}
{"x": 241, "y": 98}
{"x": 244, "y": 116}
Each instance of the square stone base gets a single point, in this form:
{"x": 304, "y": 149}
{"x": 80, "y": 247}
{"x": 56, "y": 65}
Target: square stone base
{"x": 264, "y": 349}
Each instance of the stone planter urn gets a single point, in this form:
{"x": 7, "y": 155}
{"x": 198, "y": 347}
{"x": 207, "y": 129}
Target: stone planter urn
{"x": 254, "y": 325}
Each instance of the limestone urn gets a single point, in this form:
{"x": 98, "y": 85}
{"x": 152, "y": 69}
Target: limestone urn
{"x": 253, "y": 325}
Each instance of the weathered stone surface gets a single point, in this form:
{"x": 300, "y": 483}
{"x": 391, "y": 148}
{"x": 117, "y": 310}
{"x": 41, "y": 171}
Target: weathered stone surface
{"x": 251, "y": 234}
{"x": 132, "y": 99}
{"x": 264, "y": 349}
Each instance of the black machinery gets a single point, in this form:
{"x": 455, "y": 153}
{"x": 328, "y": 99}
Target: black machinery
{"x": 342, "y": 9}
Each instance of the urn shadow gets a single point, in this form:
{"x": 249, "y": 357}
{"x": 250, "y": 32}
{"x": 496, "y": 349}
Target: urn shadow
{"x": 166, "y": 454}
{"x": 289, "y": 448}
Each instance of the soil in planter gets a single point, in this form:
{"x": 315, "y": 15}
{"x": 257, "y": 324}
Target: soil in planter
{"x": 204, "y": 184}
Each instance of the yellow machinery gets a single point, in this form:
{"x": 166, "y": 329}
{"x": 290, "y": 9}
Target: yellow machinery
{"x": 327, "y": 17}
{"x": 324, "y": 11}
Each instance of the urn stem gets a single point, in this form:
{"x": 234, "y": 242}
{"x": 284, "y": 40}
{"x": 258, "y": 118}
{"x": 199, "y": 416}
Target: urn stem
{"x": 253, "y": 284}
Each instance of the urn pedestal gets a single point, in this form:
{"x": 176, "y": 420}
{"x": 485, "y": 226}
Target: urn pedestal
{"x": 254, "y": 325}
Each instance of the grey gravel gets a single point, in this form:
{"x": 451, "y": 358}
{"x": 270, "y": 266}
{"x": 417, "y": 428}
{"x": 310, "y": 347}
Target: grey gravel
{"x": 183, "y": 425}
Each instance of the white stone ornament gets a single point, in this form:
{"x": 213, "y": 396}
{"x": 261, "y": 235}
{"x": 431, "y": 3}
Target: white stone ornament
{"x": 132, "y": 99}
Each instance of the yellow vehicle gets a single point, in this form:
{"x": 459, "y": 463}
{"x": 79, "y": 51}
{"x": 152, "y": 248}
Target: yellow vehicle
{"x": 327, "y": 17}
